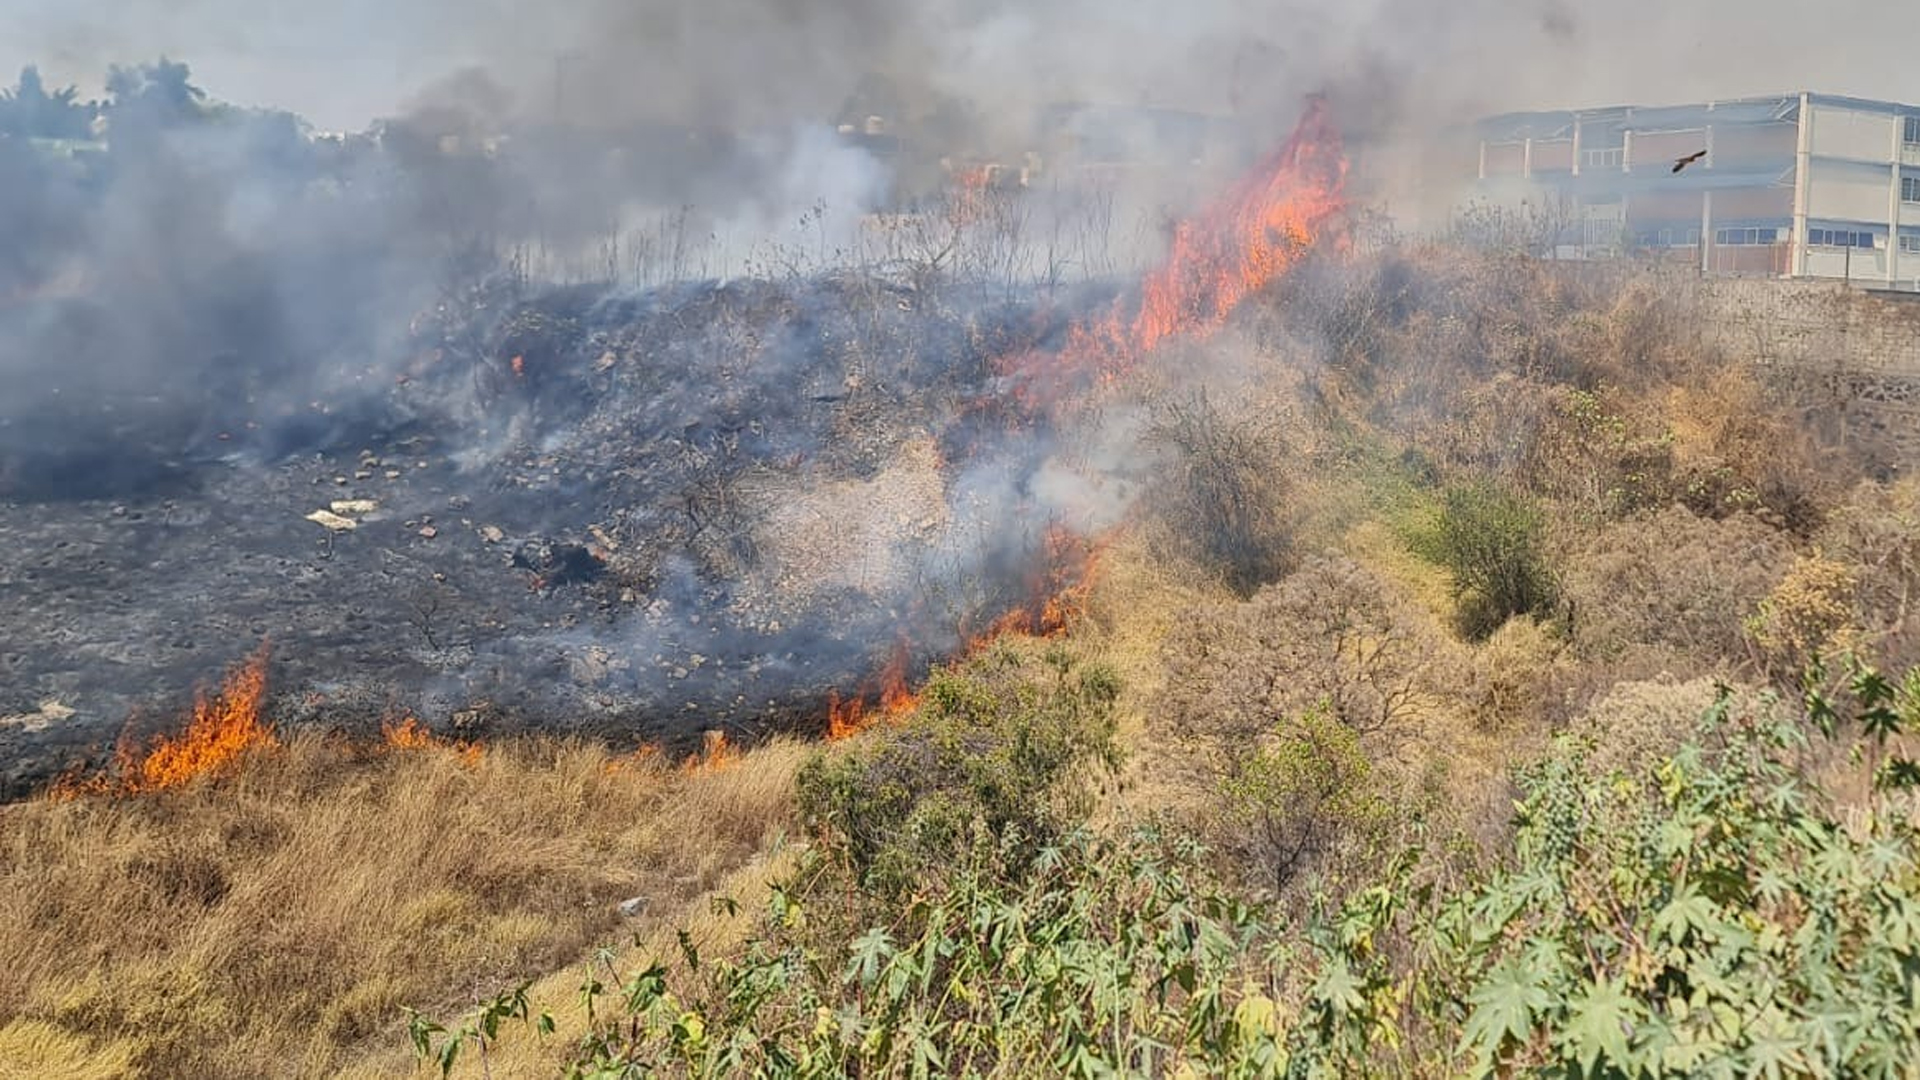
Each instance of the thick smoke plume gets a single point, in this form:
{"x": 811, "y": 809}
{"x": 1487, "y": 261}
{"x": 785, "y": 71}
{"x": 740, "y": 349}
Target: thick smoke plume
{"x": 631, "y": 373}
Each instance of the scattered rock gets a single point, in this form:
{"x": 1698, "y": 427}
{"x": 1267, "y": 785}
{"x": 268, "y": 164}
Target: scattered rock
{"x": 349, "y": 507}
{"x": 327, "y": 519}
{"x": 428, "y": 532}
{"x": 492, "y": 534}
{"x": 633, "y": 907}
{"x": 49, "y": 714}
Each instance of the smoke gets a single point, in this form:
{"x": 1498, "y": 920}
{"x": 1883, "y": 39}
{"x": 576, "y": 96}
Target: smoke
{"x": 217, "y": 289}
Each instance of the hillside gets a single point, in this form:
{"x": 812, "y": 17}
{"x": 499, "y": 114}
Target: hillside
{"x": 1333, "y": 653}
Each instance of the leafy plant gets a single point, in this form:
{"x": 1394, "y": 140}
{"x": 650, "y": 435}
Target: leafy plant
{"x": 433, "y": 1042}
{"x": 1494, "y": 544}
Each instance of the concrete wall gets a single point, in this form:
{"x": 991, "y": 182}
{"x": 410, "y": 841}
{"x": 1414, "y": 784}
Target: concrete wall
{"x": 1854, "y": 133}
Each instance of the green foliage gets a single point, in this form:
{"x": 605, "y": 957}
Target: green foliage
{"x": 1712, "y": 914}
{"x": 1494, "y": 544}
{"x": 997, "y": 743}
{"x": 1295, "y": 795}
{"x": 433, "y": 1042}
{"x": 1094, "y": 958}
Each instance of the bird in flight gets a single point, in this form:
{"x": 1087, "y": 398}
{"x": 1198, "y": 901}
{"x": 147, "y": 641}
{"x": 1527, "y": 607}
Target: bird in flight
{"x": 1682, "y": 163}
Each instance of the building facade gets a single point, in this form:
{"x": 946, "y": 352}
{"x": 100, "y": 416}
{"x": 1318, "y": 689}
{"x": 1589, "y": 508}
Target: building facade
{"x": 1801, "y": 185}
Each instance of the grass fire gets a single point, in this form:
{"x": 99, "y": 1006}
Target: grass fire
{"x": 956, "y": 586}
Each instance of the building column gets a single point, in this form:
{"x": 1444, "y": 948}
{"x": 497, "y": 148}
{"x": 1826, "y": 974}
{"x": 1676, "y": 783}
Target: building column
{"x": 1483, "y": 159}
{"x": 1706, "y": 231}
{"x": 1526, "y": 158}
{"x": 1893, "y": 204}
{"x": 1802, "y": 166}
{"x": 1576, "y": 146}
{"x": 1626, "y": 151}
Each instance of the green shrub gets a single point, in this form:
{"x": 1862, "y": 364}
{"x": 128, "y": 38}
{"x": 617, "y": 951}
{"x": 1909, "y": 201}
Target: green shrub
{"x": 1712, "y": 914}
{"x": 1493, "y": 542}
{"x": 997, "y": 743}
{"x": 1295, "y": 796}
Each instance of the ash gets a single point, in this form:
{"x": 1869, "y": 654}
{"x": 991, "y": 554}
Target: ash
{"x": 634, "y": 516}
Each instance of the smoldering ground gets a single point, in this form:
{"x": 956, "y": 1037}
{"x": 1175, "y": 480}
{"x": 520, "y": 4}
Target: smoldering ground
{"x": 218, "y": 325}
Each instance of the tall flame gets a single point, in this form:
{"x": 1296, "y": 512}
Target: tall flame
{"x": 1231, "y": 250}
{"x": 223, "y": 728}
{"x": 1250, "y": 237}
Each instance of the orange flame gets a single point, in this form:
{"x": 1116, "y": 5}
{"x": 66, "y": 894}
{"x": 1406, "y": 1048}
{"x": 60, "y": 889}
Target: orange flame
{"x": 223, "y": 728}
{"x": 1057, "y": 592}
{"x": 1231, "y": 250}
{"x": 716, "y": 753}
{"x": 519, "y": 366}
{"x": 887, "y": 698}
{"x": 1234, "y": 248}
{"x": 410, "y": 734}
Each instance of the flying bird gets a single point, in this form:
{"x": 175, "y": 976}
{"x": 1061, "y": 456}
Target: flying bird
{"x": 1688, "y": 160}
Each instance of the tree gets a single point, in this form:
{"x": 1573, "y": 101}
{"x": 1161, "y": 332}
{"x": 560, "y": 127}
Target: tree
{"x": 30, "y": 111}
{"x": 157, "y": 95}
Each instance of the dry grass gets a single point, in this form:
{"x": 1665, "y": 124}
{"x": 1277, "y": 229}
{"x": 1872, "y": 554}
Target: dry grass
{"x": 275, "y": 922}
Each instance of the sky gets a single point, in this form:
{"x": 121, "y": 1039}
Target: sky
{"x": 746, "y": 61}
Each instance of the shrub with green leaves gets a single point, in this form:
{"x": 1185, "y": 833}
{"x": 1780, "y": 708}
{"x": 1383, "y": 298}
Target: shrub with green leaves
{"x": 999, "y": 742}
{"x": 1493, "y": 542}
{"x": 1714, "y": 914}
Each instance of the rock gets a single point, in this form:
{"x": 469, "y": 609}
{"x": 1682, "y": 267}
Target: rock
{"x": 558, "y": 563}
{"x": 348, "y": 507}
{"x": 327, "y": 519}
{"x": 633, "y": 906}
{"x": 492, "y": 534}
{"x": 428, "y": 532}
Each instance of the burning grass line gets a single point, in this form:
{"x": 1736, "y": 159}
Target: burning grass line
{"x": 224, "y": 728}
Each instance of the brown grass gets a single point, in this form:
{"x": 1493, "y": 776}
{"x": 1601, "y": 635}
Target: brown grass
{"x": 275, "y": 922}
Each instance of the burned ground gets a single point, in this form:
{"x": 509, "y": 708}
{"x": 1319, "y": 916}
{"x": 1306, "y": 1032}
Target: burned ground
{"x": 643, "y": 516}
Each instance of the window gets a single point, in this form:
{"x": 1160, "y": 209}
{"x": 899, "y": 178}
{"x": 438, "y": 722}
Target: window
{"x": 1910, "y": 245}
{"x": 1839, "y": 238}
{"x": 1913, "y": 131}
{"x": 1603, "y": 159}
{"x": 1910, "y": 189}
{"x": 1745, "y": 237}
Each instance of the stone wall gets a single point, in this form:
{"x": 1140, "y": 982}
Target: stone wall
{"x": 1856, "y": 351}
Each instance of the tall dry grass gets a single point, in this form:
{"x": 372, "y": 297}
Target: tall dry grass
{"x": 276, "y": 921}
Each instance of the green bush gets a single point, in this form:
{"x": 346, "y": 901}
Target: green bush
{"x": 1493, "y": 542}
{"x": 1711, "y": 915}
{"x": 998, "y": 742}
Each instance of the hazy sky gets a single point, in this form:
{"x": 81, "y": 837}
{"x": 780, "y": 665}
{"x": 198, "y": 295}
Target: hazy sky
{"x": 344, "y": 63}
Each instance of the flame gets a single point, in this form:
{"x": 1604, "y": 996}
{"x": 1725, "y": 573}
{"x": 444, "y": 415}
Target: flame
{"x": 410, "y": 734}
{"x": 519, "y": 366}
{"x": 887, "y": 698}
{"x": 1231, "y": 250}
{"x": 1056, "y": 592}
{"x": 716, "y": 753}
{"x": 224, "y": 727}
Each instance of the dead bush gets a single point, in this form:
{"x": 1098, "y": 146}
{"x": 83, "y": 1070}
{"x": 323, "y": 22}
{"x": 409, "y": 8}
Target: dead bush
{"x": 1810, "y": 614}
{"x": 1330, "y": 633}
{"x": 1876, "y": 531}
{"x": 1222, "y": 492}
{"x": 1670, "y": 580}
{"x": 1640, "y": 722}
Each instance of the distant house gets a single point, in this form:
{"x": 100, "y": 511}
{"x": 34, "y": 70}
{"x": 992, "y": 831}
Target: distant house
{"x": 1799, "y": 185}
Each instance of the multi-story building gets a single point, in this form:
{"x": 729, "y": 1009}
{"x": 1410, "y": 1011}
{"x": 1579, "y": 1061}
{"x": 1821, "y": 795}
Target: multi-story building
{"x": 1801, "y": 185}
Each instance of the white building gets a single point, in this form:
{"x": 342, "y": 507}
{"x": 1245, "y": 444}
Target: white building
{"x": 1804, "y": 185}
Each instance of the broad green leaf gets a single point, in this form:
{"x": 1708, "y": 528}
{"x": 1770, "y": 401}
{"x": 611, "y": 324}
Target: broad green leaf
{"x": 1601, "y": 1025}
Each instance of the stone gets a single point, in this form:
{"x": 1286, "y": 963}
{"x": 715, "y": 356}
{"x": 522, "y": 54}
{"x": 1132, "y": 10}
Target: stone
{"x": 633, "y": 906}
